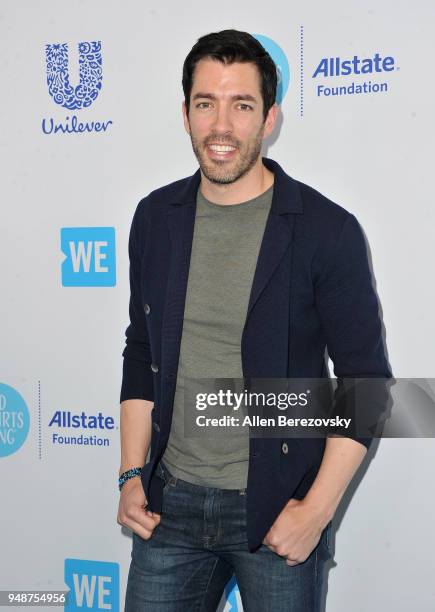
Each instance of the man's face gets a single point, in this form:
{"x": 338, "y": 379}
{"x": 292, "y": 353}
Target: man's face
{"x": 225, "y": 121}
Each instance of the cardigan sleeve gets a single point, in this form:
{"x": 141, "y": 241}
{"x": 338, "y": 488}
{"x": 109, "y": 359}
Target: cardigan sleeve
{"x": 137, "y": 376}
{"x": 349, "y": 312}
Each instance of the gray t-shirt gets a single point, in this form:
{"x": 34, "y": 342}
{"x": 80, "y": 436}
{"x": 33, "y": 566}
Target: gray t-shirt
{"x": 226, "y": 243}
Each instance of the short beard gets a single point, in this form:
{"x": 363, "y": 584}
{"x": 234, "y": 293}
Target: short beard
{"x": 216, "y": 172}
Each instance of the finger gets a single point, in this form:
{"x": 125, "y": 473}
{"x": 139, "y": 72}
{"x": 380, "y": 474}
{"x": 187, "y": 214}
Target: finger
{"x": 145, "y": 534}
{"x": 155, "y": 514}
{"x": 144, "y": 529}
{"x": 143, "y": 518}
{"x": 145, "y": 507}
{"x": 149, "y": 516}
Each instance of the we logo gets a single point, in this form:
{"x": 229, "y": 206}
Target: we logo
{"x": 233, "y": 601}
{"x": 94, "y": 585}
{"x": 90, "y": 74}
{"x": 89, "y": 256}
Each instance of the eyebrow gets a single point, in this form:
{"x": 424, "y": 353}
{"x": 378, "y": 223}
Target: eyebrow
{"x": 236, "y": 97}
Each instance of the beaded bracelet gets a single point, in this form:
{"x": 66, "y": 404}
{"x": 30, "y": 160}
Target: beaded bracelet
{"x": 127, "y": 475}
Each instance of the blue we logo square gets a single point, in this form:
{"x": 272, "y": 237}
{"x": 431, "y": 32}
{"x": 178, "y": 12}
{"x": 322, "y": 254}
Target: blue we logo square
{"x": 89, "y": 256}
{"x": 94, "y": 585}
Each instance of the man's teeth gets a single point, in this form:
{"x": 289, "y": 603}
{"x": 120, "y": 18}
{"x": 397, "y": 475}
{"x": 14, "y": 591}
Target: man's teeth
{"x": 221, "y": 148}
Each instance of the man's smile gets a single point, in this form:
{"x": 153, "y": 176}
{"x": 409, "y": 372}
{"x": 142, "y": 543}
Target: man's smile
{"x": 221, "y": 151}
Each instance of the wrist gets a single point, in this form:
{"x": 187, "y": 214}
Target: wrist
{"x": 129, "y": 466}
{"x": 128, "y": 474}
{"x": 322, "y": 512}
{"x": 131, "y": 483}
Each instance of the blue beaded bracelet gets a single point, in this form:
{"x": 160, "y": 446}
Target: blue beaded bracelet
{"x": 127, "y": 475}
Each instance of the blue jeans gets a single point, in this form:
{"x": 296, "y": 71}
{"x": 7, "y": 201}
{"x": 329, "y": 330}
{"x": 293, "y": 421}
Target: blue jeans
{"x": 200, "y": 543}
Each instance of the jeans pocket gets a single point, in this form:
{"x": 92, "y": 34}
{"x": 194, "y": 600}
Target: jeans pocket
{"x": 168, "y": 480}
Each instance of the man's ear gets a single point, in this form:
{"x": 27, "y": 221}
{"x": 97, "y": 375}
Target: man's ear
{"x": 270, "y": 121}
{"x": 185, "y": 117}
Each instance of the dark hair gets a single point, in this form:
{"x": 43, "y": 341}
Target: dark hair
{"x": 230, "y": 46}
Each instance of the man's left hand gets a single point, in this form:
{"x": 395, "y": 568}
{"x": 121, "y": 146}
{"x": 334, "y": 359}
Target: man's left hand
{"x": 295, "y": 532}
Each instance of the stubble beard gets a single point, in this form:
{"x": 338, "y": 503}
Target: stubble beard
{"x": 217, "y": 171}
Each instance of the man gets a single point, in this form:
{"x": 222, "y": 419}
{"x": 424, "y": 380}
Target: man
{"x": 237, "y": 271}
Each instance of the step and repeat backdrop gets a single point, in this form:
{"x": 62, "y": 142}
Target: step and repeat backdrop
{"x": 90, "y": 123}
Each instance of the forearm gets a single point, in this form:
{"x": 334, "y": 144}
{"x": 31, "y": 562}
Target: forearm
{"x": 135, "y": 428}
{"x": 341, "y": 459}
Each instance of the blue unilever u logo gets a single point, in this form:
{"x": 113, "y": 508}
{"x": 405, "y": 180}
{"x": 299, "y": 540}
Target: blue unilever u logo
{"x": 89, "y": 256}
{"x": 94, "y": 585}
{"x": 90, "y": 74}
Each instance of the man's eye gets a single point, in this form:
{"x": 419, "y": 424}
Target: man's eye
{"x": 203, "y": 105}
{"x": 245, "y": 107}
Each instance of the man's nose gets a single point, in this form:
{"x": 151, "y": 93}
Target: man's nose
{"x": 223, "y": 122}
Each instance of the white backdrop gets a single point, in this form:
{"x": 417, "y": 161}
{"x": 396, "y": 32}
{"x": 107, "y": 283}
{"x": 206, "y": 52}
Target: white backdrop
{"x": 370, "y": 152}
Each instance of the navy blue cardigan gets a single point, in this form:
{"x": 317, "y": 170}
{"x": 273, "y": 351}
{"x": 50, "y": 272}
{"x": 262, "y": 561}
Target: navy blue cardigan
{"x": 312, "y": 289}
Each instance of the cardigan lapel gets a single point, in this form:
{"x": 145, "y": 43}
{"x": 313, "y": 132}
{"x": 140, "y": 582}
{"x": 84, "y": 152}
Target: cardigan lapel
{"x": 181, "y": 221}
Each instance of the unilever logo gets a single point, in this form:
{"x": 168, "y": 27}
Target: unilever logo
{"x": 282, "y": 66}
{"x": 89, "y": 256}
{"x": 80, "y": 96}
{"x": 90, "y": 75}
{"x": 14, "y": 420}
{"x": 94, "y": 585}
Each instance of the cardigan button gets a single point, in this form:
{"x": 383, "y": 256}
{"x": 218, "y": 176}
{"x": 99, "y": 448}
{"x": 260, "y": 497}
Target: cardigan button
{"x": 156, "y": 426}
{"x": 147, "y": 309}
{"x": 154, "y": 367}
{"x": 284, "y": 448}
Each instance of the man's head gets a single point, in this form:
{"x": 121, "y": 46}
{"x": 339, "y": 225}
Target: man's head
{"x": 229, "y": 84}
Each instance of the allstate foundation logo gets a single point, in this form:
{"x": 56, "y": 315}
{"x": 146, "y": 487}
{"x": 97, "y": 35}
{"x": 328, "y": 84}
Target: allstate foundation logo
{"x": 80, "y": 96}
{"x": 282, "y": 66}
{"x": 362, "y": 70}
{"x": 14, "y": 420}
{"x": 81, "y": 429}
{"x": 89, "y": 256}
{"x": 94, "y": 585}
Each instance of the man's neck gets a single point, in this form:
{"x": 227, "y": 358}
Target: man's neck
{"x": 249, "y": 186}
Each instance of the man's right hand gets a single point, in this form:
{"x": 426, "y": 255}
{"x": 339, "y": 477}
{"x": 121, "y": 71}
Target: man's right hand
{"x": 132, "y": 512}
